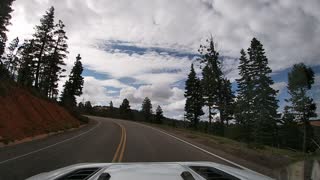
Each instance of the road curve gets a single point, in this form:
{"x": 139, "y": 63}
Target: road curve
{"x": 105, "y": 140}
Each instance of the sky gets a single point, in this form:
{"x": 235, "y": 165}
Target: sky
{"x": 133, "y": 49}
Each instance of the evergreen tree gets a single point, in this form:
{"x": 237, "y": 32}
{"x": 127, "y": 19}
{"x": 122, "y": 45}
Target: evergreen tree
{"x": 264, "y": 97}
{"x": 227, "y": 101}
{"x": 244, "y": 104}
{"x": 11, "y": 60}
{"x": 159, "y": 115}
{"x": 300, "y": 81}
{"x": 73, "y": 86}
{"x": 111, "y": 105}
{"x": 26, "y": 70}
{"x": 81, "y": 107}
{"x": 43, "y": 43}
{"x": 289, "y": 133}
{"x": 88, "y": 107}
{"x": 211, "y": 76}
{"x": 5, "y": 10}
{"x": 124, "y": 109}
{"x": 55, "y": 61}
{"x": 194, "y": 100}
{"x": 147, "y": 109}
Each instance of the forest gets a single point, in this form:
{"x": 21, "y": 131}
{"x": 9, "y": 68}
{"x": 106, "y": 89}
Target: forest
{"x": 249, "y": 114}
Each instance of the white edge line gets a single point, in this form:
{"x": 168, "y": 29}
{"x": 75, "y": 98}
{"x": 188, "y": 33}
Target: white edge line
{"x": 203, "y": 150}
{"x": 52, "y": 145}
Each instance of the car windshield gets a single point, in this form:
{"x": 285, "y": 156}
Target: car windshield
{"x": 159, "y": 89}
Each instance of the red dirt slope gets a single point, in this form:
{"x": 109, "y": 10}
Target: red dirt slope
{"x": 24, "y": 115}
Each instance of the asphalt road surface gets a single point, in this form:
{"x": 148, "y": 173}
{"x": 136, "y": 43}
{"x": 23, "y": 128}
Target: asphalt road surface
{"x": 105, "y": 140}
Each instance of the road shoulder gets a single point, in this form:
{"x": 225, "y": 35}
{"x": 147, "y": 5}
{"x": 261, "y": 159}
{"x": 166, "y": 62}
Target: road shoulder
{"x": 268, "y": 163}
{"x": 34, "y": 144}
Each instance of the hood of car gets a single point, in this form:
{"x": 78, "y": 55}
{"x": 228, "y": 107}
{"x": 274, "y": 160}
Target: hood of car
{"x": 147, "y": 171}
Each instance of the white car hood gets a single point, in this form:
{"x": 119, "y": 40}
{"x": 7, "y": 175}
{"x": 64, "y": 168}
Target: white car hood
{"x": 147, "y": 171}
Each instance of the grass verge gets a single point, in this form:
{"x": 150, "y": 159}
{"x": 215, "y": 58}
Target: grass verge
{"x": 267, "y": 160}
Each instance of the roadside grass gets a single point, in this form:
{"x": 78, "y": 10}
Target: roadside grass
{"x": 263, "y": 156}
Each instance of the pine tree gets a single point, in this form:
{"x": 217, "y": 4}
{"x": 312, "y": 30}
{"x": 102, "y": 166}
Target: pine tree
{"x": 43, "y": 42}
{"x": 11, "y": 60}
{"x": 81, "y": 107}
{"x": 244, "y": 104}
{"x": 111, "y": 105}
{"x": 5, "y": 11}
{"x": 227, "y": 101}
{"x": 55, "y": 61}
{"x": 159, "y": 115}
{"x": 88, "y": 107}
{"x": 300, "y": 81}
{"x": 73, "y": 86}
{"x": 211, "y": 76}
{"x": 124, "y": 109}
{"x": 264, "y": 97}
{"x": 147, "y": 109}
{"x": 26, "y": 70}
{"x": 289, "y": 133}
{"x": 194, "y": 100}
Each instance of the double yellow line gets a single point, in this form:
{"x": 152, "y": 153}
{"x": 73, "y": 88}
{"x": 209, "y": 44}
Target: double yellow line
{"x": 118, "y": 156}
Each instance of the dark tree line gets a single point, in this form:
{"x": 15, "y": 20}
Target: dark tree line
{"x": 73, "y": 86}
{"x": 5, "y": 11}
{"x": 300, "y": 106}
{"x": 254, "y": 109}
{"x": 194, "y": 99}
{"x": 125, "y": 112}
{"x": 39, "y": 62}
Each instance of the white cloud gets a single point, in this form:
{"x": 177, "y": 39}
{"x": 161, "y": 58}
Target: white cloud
{"x": 289, "y": 31}
{"x": 171, "y": 99}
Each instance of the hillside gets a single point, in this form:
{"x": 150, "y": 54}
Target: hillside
{"x": 24, "y": 115}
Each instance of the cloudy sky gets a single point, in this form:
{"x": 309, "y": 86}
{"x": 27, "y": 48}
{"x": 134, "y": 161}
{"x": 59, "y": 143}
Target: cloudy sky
{"x": 133, "y": 49}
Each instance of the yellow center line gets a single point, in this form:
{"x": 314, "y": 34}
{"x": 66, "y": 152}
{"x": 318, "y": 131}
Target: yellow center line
{"x": 123, "y": 144}
{"x": 121, "y": 147}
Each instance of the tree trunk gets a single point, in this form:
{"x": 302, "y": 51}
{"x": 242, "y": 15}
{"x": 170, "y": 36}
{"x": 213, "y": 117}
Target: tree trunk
{"x": 36, "y": 84}
{"x": 210, "y": 115}
{"x": 304, "y": 146}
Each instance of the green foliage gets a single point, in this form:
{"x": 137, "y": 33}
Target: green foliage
{"x": 43, "y": 41}
{"x": 88, "y": 107}
{"x": 11, "y": 61}
{"x": 244, "y": 104}
{"x": 211, "y": 76}
{"x": 125, "y": 110}
{"x": 26, "y": 70}
{"x": 41, "y": 59}
{"x": 257, "y": 103}
{"x": 147, "y": 109}
{"x": 288, "y": 129}
{"x": 264, "y": 100}
{"x": 73, "y": 86}
{"x": 226, "y": 102}
{"x": 111, "y": 105}
{"x": 216, "y": 90}
{"x": 159, "y": 115}
{"x": 194, "y": 99}
{"x": 302, "y": 107}
{"x": 81, "y": 107}
{"x": 5, "y": 11}
{"x": 54, "y": 61}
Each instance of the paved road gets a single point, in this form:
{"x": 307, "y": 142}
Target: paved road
{"x": 104, "y": 140}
